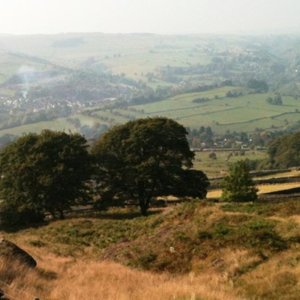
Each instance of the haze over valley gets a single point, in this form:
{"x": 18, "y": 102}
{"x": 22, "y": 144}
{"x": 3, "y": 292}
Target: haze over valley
{"x": 89, "y": 82}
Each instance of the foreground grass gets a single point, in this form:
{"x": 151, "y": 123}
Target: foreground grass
{"x": 59, "y": 278}
{"x": 243, "y": 248}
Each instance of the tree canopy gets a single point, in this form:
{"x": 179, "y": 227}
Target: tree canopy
{"x": 42, "y": 173}
{"x": 146, "y": 158}
{"x": 238, "y": 184}
{"x": 284, "y": 152}
{"x": 260, "y": 86}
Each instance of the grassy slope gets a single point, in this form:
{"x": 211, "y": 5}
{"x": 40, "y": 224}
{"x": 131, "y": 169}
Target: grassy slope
{"x": 248, "y": 245}
{"x": 134, "y": 55}
{"x": 243, "y": 113}
{"x": 57, "y": 124}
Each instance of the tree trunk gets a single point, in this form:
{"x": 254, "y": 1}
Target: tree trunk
{"x": 144, "y": 206}
{"x": 61, "y": 214}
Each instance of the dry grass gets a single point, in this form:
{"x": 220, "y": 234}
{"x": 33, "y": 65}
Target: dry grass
{"x": 277, "y": 278}
{"x": 65, "y": 278}
{"x": 21, "y": 282}
{"x": 227, "y": 251}
{"x": 262, "y": 189}
{"x": 68, "y": 279}
{"x": 108, "y": 280}
{"x": 268, "y": 188}
{"x": 288, "y": 174}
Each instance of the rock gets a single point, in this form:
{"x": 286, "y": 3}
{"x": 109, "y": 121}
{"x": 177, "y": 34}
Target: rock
{"x": 13, "y": 252}
{"x": 2, "y": 295}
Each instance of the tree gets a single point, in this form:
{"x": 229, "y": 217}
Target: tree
{"x": 284, "y": 152}
{"x": 260, "y": 86}
{"x": 277, "y": 100}
{"x": 147, "y": 158}
{"x": 212, "y": 155}
{"x": 238, "y": 185}
{"x": 42, "y": 173}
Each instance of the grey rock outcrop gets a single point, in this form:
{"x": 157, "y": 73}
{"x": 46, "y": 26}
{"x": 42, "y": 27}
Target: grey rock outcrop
{"x": 11, "y": 251}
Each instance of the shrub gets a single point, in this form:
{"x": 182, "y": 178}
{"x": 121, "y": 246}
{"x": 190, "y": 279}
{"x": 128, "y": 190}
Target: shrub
{"x": 238, "y": 185}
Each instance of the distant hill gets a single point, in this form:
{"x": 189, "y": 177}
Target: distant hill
{"x": 49, "y": 77}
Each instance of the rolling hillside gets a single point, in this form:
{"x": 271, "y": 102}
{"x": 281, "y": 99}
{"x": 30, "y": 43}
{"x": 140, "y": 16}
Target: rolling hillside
{"x": 195, "y": 250}
{"x": 60, "y": 81}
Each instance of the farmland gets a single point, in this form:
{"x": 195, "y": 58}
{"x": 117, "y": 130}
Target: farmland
{"x": 218, "y": 167}
{"x": 99, "y": 76}
{"x": 262, "y": 189}
{"x": 133, "y": 55}
{"x": 245, "y": 113}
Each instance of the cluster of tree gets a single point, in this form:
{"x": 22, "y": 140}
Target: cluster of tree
{"x": 276, "y": 100}
{"x": 259, "y": 86}
{"x": 42, "y": 173}
{"x": 284, "y": 151}
{"x": 234, "y": 94}
{"x": 205, "y": 137}
{"x": 201, "y": 100}
{"x": 149, "y": 95}
{"x": 199, "y": 137}
{"x": 133, "y": 163}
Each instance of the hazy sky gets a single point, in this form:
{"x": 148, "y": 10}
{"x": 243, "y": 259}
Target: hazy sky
{"x": 157, "y": 16}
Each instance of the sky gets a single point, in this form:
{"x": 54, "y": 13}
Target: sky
{"x": 152, "y": 16}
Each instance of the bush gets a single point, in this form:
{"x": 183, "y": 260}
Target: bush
{"x": 238, "y": 185}
{"x": 14, "y": 217}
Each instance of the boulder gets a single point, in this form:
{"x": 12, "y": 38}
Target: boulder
{"x": 11, "y": 251}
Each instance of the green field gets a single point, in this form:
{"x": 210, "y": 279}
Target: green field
{"x": 245, "y": 113}
{"x": 218, "y": 167}
{"x": 61, "y": 124}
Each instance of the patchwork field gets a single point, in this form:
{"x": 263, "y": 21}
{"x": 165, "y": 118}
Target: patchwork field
{"x": 245, "y": 113}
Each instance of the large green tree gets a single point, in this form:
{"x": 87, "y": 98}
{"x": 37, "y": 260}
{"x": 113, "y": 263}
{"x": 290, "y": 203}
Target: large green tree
{"x": 42, "y": 173}
{"x": 146, "y": 158}
{"x": 238, "y": 184}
